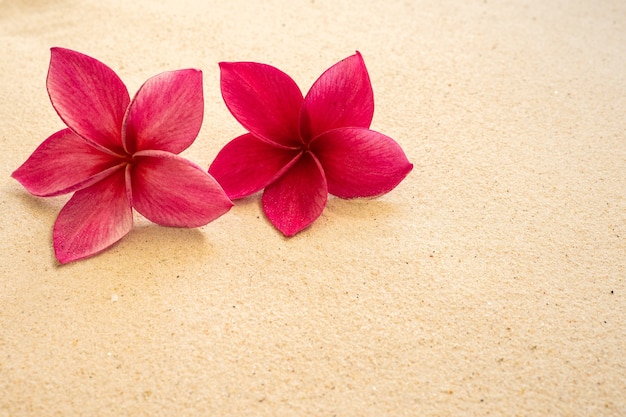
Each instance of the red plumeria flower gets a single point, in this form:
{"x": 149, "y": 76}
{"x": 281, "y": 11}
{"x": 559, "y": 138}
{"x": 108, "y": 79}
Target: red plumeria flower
{"x": 119, "y": 153}
{"x": 301, "y": 149}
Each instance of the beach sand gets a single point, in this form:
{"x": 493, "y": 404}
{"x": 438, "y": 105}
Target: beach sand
{"x": 491, "y": 281}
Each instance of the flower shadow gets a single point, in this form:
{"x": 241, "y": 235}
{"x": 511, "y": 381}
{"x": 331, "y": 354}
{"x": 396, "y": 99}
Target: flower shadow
{"x": 359, "y": 208}
{"x": 147, "y": 253}
{"x": 148, "y": 245}
{"x": 337, "y": 215}
{"x": 37, "y": 207}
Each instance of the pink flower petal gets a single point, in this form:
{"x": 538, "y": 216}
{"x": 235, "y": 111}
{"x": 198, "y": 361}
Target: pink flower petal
{"x": 247, "y": 164}
{"x": 63, "y": 163}
{"x": 296, "y": 199}
{"x": 166, "y": 113}
{"x": 359, "y": 162}
{"x": 265, "y": 100}
{"x": 172, "y": 191}
{"x": 341, "y": 97}
{"x": 89, "y": 97}
{"x": 95, "y": 218}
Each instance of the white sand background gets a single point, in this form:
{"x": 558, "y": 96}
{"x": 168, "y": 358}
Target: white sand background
{"x": 489, "y": 282}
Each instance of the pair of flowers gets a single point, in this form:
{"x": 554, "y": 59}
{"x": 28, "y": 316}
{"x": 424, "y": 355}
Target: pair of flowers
{"x": 117, "y": 154}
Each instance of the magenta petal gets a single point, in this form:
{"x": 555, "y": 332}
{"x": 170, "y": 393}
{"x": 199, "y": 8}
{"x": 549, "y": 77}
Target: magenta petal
{"x": 166, "y": 113}
{"x": 93, "y": 219}
{"x": 296, "y": 199}
{"x": 172, "y": 191}
{"x": 63, "y": 163}
{"x": 265, "y": 100}
{"x": 359, "y": 162}
{"x": 89, "y": 97}
{"x": 246, "y": 165}
{"x": 341, "y": 97}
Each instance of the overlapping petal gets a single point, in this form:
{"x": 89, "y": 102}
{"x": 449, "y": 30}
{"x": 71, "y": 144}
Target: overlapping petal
{"x": 88, "y": 96}
{"x": 341, "y": 97}
{"x": 166, "y": 113}
{"x": 172, "y": 191}
{"x": 265, "y": 100}
{"x": 298, "y": 197}
{"x": 359, "y": 162}
{"x": 93, "y": 219}
{"x": 63, "y": 163}
{"x": 246, "y": 165}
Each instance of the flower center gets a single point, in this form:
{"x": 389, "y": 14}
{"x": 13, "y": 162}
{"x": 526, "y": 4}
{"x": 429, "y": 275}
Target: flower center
{"x": 128, "y": 159}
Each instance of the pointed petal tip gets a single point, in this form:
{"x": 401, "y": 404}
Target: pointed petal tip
{"x": 56, "y": 50}
{"x": 19, "y": 176}
{"x": 15, "y": 175}
{"x": 62, "y": 257}
{"x": 291, "y": 231}
{"x": 229, "y": 65}
{"x": 65, "y": 256}
{"x": 59, "y": 49}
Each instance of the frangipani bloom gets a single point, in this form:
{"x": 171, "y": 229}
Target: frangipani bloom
{"x": 301, "y": 149}
{"x": 118, "y": 153}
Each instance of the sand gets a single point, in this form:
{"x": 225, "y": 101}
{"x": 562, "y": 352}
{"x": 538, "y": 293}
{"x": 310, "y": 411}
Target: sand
{"x": 490, "y": 282}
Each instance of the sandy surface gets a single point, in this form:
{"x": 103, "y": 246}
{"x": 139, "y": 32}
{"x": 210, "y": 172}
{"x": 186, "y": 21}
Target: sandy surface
{"x": 490, "y": 282}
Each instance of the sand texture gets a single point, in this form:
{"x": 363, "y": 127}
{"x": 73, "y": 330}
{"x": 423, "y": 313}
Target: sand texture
{"x": 490, "y": 282}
